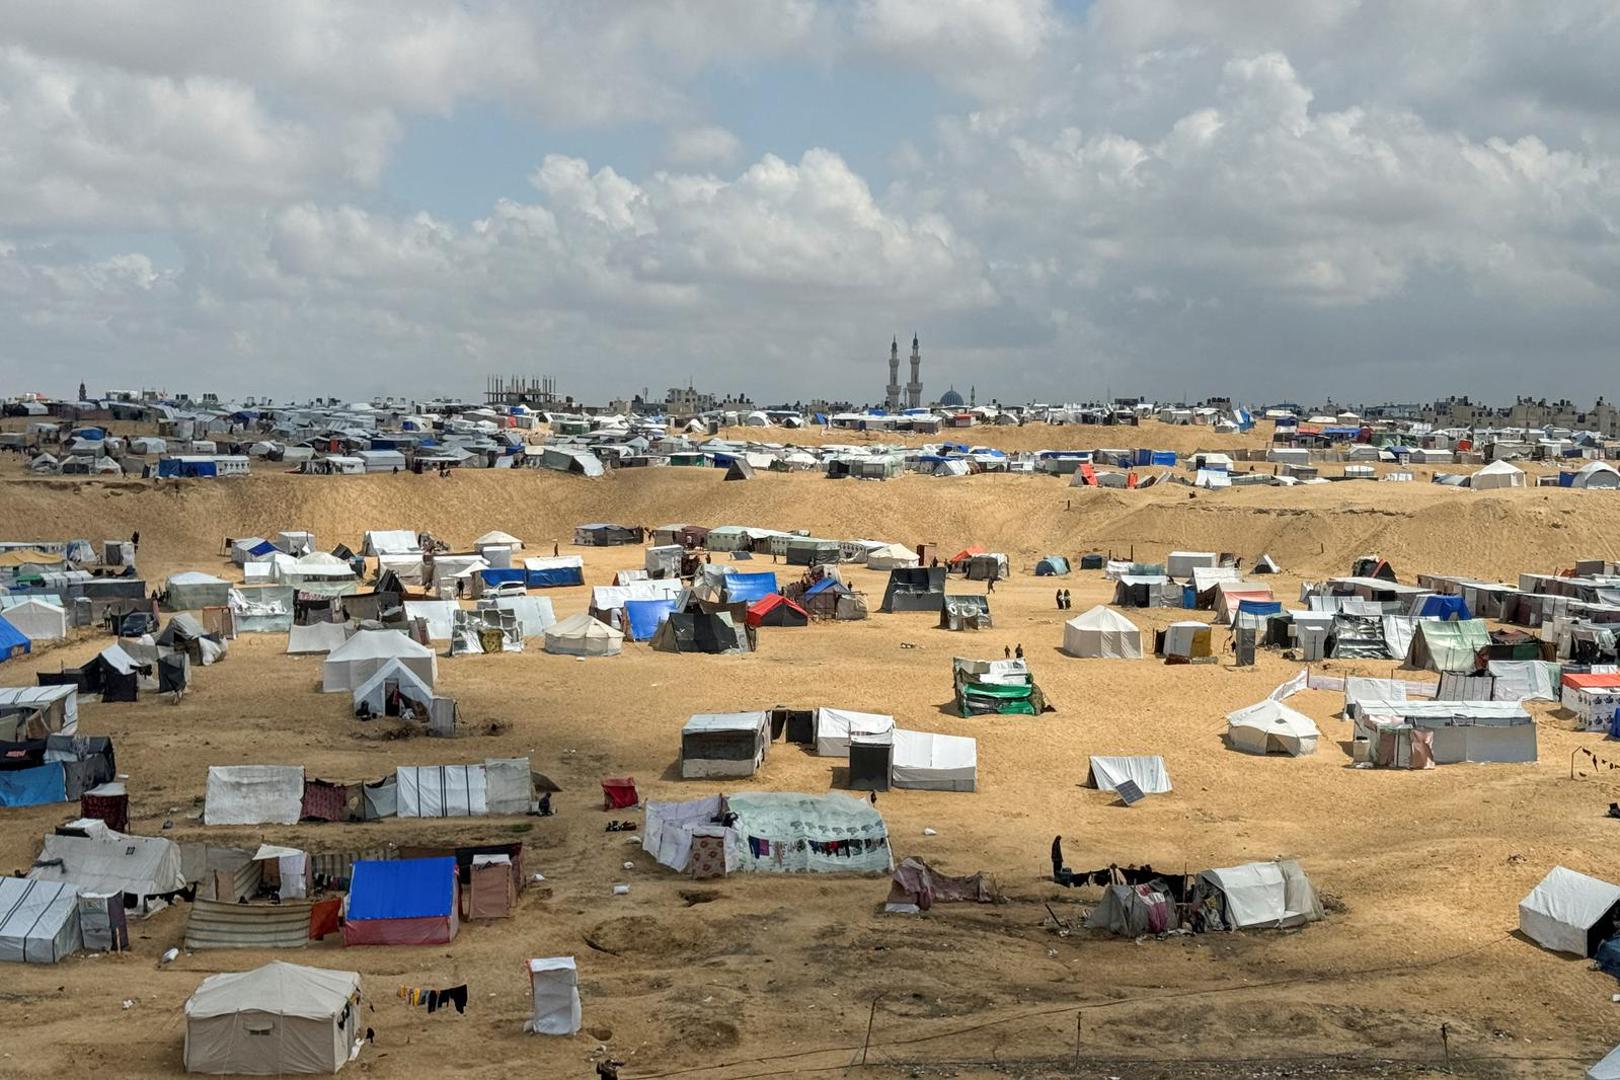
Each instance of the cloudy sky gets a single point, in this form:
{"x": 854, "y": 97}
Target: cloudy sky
{"x": 1278, "y": 199}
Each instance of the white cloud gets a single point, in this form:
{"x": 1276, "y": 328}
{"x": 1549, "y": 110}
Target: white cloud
{"x": 702, "y": 146}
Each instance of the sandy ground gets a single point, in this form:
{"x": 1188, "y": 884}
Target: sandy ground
{"x": 759, "y": 976}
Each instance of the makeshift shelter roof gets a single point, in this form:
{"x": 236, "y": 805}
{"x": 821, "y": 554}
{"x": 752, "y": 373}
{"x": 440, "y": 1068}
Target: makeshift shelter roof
{"x": 1564, "y": 909}
{"x": 1272, "y": 727}
{"x": 277, "y": 988}
{"x": 39, "y": 920}
{"x": 99, "y": 860}
{"x": 496, "y": 538}
{"x": 1264, "y": 894}
{"x": 1148, "y": 771}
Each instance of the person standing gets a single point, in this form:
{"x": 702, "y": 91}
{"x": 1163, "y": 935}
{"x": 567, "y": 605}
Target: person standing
{"x": 1060, "y": 599}
{"x": 1019, "y": 651}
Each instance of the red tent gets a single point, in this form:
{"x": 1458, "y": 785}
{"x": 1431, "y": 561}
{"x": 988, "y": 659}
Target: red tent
{"x": 967, "y": 553}
{"x": 777, "y": 610}
{"x": 619, "y": 792}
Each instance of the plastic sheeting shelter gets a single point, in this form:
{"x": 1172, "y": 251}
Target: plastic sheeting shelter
{"x": 777, "y": 610}
{"x": 965, "y": 613}
{"x": 35, "y": 619}
{"x": 1270, "y": 727}
{"x": 39, "y": 921}
{"x": 316, "y": 638}
{"x": 581, "y": 635}
{"x": 38, "y": 786}
{"x": 275, "y": 1020}
{"x": 1260, "y": 895}
{"x": 1146, "y": 770}
{"x": 254, "y": 795}
{"x": 403, "y": 902}
{"x": 554, "y": 985}
{"x": 192, "y": 591}
{"x": 927, "y": 761}
{"x": 1569, "y": 912}
{"x": 1448, "y": 646}
{"x": 1102, "y": 633}
{"x": 891, "y": 557}
{"x": 644, "y": 617}
{"x": 724, "y": 744}
{"x": 1052, "y": 566}
{"x": 349, "y": 666}
{"x": 914, "y": 589}
{"x": 554, "y": 573}
{"x": 99, "y": 860}
{"x": 1444, "y": 608}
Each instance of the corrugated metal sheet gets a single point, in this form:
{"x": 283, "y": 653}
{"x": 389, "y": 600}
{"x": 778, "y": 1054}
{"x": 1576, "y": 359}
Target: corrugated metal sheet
{"x": 216, "y": 925}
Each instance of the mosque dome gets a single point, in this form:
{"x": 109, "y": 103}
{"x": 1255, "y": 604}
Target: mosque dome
{"x": 951, "y": 398}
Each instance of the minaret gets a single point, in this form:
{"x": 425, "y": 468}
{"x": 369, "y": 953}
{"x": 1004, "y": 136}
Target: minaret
{"x": 891, "y": 399}
{"x": 914, "y": 387}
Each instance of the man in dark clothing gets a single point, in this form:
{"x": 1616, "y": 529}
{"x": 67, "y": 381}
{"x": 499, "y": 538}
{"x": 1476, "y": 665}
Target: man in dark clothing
{"x": 1019, "y": 651}
{"x": 990, "y": 585}
{"x": 1060, "y": 599}
{"x": 1058, "y": 873}
{"x": 1068, "y": 601}
{"x": 1006, "y": 652}
{"x": 135, "y": 540}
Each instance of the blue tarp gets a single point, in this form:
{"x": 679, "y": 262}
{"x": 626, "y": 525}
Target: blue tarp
{"x": 645, "y": 616}
{"x": 1052, "y": 565}
{"x": 819, "y": 587}
{"x": 402, "y": 888}
{"x": 1566, "y": 479}
{"x": 1444, "y": 607}
{"x": 1163, "y": 457}
{"x": 750, "y": 587}
{"x": 501, "y": 575}
{"x": 171, "y": 467}
{"x": 264, "y": 548}
{"x": 13, "y": 642}
{"x": 1607, "y": 958}
{"x": 33, "y": 787}
{"x": 1260, "y": 608}
{"x": 556, "y": 577}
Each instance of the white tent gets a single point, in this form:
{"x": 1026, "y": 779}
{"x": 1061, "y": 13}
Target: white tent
{"x": 1608, "y": 1068}
{"x": 1498, "y": 474}
{"x": 356, "y": 660}
{"x": 391, "y": 676}
{"x": 891, "y": 557}
{"x": 441, "y": 791}
{"x": 1107, "y": 773}
{"x": 1264, "y": 895}
{"x": 535, "y": 613}
{"x": 274, "y": 1020}
{"x": 1182, "y": 563}
{"x": 440, "y": 616}
{"x": 254, "y": 795}
{"x": 835, "y": 726}
{"x": 554, "y": 982}
{"x": 1596, "y": 474}
{"x": 99, "y": 860}
{"x": 1271, "y": 727}
{"x": 1102, "y": 633}
{"x": 37, "y": 620}
{"x": 39, "y": 921}
{"x": 581, "y": 635}
{"x": 496, "y": 538}
{"x": 1569, "y": 912}
{"x": 931, "y": 762}
{"x": 321, "y": 637}
{"x": 391, "y": 542}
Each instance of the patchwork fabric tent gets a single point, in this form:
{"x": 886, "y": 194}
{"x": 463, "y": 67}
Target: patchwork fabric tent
{"x": 773, "y": 832}
{"x": 1569, "y": 912}
{"x": 1270, "y": 727}
{"x": 39, "y": 921}
{"x": 914, "y": 589}
{"x": 702, "y": 632}
{"x": 275, "y": 1020}
{"x": 1256, "y": 896}
{"x": 1147, "y": 770}
{"x": 1102, "y": 633}
{"x": 348, "y": 666}
{"x": 1000, "y": 687}
{"x": 965, "y": 613}
{"x": 830, "y": 598}
{"x": 1183, "y": 640}
{"x": 581, "y": 635}
{"x": 403, "y": 902}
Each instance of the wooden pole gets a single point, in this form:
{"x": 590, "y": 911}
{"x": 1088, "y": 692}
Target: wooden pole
{"x": 871, "y": 1018}
{"x": 1445, "y": 1044}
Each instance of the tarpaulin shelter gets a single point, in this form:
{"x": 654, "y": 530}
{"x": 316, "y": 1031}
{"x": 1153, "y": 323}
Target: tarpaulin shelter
{"x": 1052, "y": 566}
{"x": 965, "y": 613}
{"x": 915, "y": 588}
{"x": 917, "y": 887}
{"x": 1256, "y": 896}
{"x": 37, "y": 786}
{"x": 645, "y": 616}
{"x": 191, "y": 591}
{"x": 35, "y": 712}
{"x": 1270, "y": 727}
{"x": 701, "y": 632}
{"x": 554, "y": 986}
{"x": 777, "y": 610}
{"x": 929, "y": 761}
{"x": 1569, "y": 912}
{"x": 581, "y": 635}
{"x": 403, "y": 902}
{"x": 321, "y": 637}
{"x": 1147, "y": 907}
{"x": 13, "y": 642}
{"x": 606, "y": 535}
{"x": 988, "y": 566}
{"x": 1435, "y": 606}
{"x": 1449, "y": 646}
{"x": 836, "y": 727}
{"x": 100, "y": 860}
{"x": 748, "y": 588}
{"x": 619, "y": 792}
{"x": 552, "y": 573}
{"x": 1183, "y": 640}
{"x": 36, "y": 619}
{"x": 254, "y": 795}
{"x": 1102, "y": 633}
{"x": 830, "y": 598}
{"x": 1147, "y": 771}
{"x": 492, "y": 887}
{"x": 39, "y": 921}
{"x": 275, "y": 1020}
{"x": 724, "y": 744}
{"x": 996, "y": 687}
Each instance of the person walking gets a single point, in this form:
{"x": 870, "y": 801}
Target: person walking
{"x": 990, "y": 585}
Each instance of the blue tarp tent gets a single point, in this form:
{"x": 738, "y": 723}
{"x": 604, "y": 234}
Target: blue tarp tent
{"x": 33, "y": 787}
{"x": 1444, "y": 607}
{"x": 750, "y": 587}
{"x": 1255, "y": 610}
{"x": 819, "y": 587}
{"x": 1052, "y": 566}
{"x": 554, "y": 577}
{"x": 646, "y": 616}
{"x": 501, "y": 575}
{"x": 186, "y": 467}
{"x": 402, "y": 902}
{"x": 13, "y": 642}
{"x": 1607, "y": 958}
{"x": 1163, "y": 457}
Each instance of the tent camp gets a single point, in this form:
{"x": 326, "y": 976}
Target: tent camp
{"x": 36, "y": 619}
{"x": 777, "y": 610}
{"x": 191, "y": 591}
{"x": 1052, "y": 566}
{"x": 391, "y": 542}
{"x": 724, "y": 744}
{"x": 39, "y": 921}
{"x": 275, "y": 1020}
{"x": 1569, "y": 912}
{"x": 1270, "y": 727}
{"x": 391, "y": 690}
{"x": 1449, "y": 646}
{"x": 927, "y": 761}
{"x": 403, "y": 902}
{"x": 835, "y": 727}
{"x": 349, "y": 665}
{"x": 1498, "y": 474}
{"x": 581, "y": 635}
{"x": 891, "y": 557}
{"x": 1146, "y": 770}
{"x": 714, "y": 633}
{"x": 254, "y": 795}
{"x": 98, "y": 860}
{"x": 1256, "y": 896}
{"x": 1102, "y": 633}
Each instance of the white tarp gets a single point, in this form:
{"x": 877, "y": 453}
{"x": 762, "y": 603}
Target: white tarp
{"x": 1270, "y": 727}
{"x": 508, "y": 785}
{"x": 321, "y": 637}
{"x": 39, "y": 921}
{"x": 928, "y": 761}
{"x": 535, "y": 613}
{"x": 254, "y": 795}
{"x": 1107, "y": 773}
{"x": 440, "y": 616}
{"x": 104, "y": 861}
{"x": 1273, "y": 895}
{"x": 437, "y": 791}
{"x": 554, "y": 983}
{"x": 1524, "y": 680}
{"x": 1608, "y": 1068}
{"x": 37, "y": 619}
{"x": 1560, "y": 911}
{"x": 581, "y": 635}
{"x": 391, "y": 542}
{"x": 835, "y": 726}
{"x": 356, "y": 660}
{"x": 1102, "y": 633}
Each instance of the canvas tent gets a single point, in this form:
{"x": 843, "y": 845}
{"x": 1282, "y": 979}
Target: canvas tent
{"x": 1448, "y": 646}
{"x": 39, "y": 921}
{"x": 191, "y": 591}
{"x": 1102, "y": 633}
{"x": 37, "y": 620}
{"x": 403, "y": 902}
{"x": 349, "y": 665}
{"x": 1569, "y": 912}
{"x": 724, "y": 744}
{"x": 554, "y": 986}
{"x": 928, "y": 761}
{"x": 1270, "y": 727}
{"x": 1498, "y": 474}
{"x": 581, "y": 635}
{"x": 275, "y": 1020}
{"x": 391, "y": 542}
{"x": 1257, "y": 896}
{"x": 254, "y": 795}
{"x": 321, "y": 637}
{"x": 1146, "y": 770}
{"x": 99, "y": 860}
{"x": 891, "y": 557}
{"x": 835, "y": 728}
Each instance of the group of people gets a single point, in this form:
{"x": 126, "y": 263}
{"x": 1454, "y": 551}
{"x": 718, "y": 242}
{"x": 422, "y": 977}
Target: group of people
{"x": 1017, "y": 652}
{"x": 1064, "y": 601}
